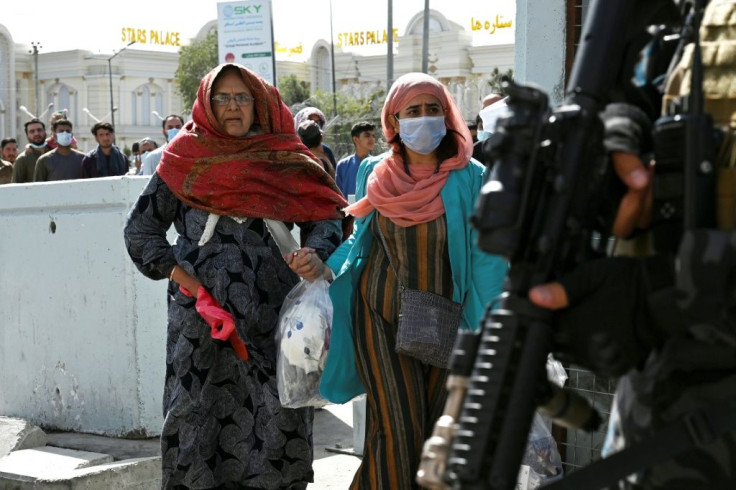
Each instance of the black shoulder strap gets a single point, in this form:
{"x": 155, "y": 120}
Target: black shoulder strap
{"x": 690, "y": 430}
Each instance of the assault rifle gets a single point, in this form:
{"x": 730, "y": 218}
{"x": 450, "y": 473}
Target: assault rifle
{"x": 548, "y": 207}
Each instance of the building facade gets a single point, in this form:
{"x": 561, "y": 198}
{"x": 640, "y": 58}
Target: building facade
{"x": 79, "y": 82}
{"x": 143, "y": 87}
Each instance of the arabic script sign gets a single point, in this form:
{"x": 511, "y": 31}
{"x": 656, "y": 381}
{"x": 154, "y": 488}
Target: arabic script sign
{"x": 244, "y": 36}
{"x": 492, "y": 26}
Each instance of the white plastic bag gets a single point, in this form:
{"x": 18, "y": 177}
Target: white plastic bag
{"x": 542, "y": 462}
{"x": 303, "y": 338}
{"x": 556, "y": 371}
{"x": 541, "y": 458}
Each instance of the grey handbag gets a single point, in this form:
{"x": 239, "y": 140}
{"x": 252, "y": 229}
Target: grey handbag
{"x": 428, "y": 322}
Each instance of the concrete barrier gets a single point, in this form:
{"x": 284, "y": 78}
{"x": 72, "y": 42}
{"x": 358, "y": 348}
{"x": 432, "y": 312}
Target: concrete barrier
{"x": 83, "y": 332}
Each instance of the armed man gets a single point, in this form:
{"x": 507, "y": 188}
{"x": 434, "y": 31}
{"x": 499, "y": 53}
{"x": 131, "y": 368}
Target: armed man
{"x": 660, "y": 312}
{"x": 673, "y": 315}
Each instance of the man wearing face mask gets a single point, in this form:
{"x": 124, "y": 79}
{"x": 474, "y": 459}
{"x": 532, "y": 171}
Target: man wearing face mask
{"x": 171, "y": 126}
{"x": 106, "y": 160}
{"x": 25, "y": 163}
{"x": 486, "y": 124}
{"x": 63, "y": 163}
{"x": 51, "y": 140}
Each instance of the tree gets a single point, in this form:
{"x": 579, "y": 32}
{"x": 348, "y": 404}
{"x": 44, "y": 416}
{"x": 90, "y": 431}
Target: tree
{"x": 350, "y": 110}
{"x": 292, "y": 90}
{"x": 195, "y": 61}
{"x": 495, "y": 81}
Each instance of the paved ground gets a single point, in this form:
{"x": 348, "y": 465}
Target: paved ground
{"x": 333, "y": 434}
{"x": 333, "y": 427}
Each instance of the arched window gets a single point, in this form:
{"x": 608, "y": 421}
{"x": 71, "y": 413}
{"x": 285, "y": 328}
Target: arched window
{"x": 4, "y": 88}
{"x": 322, "y": 70}
{"x": 146, "y": 99}
{"x": 145, "y": 106}
{"x": 134, "y": 108}
{"x": 158, "y": 103}
{"x": 64, "y": 98}
{"x": 2, "y": 115}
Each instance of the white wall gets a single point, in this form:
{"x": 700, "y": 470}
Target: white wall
{"x": 82, "y": 341}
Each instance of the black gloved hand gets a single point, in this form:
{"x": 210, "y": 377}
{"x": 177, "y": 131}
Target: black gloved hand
{"x": 607, "y": 327}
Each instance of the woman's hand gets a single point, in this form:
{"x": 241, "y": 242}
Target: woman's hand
{"x": 307, "y": 264}
{"x": 183, "y": 279}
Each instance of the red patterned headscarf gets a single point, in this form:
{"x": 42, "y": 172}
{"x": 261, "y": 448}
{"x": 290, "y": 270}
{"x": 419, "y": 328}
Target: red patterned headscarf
{"x": 267, "y": 174}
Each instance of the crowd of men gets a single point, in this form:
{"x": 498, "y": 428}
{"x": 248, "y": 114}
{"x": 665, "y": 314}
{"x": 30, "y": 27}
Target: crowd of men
{"x": 55, "y": 156}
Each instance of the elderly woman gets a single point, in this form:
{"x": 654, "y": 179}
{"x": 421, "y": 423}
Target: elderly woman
{"x": 412, "y": 221}
{"x": 235, "y": 166}
{"x": 311, "y": 135}
{"x": 314, "y": 114}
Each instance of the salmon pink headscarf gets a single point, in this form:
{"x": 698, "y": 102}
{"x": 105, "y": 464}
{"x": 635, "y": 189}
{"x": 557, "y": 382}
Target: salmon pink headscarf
{"x": 267, "y": 174}
{"x": 406, "y": 199}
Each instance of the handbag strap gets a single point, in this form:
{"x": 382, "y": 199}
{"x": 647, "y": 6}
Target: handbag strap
{"x": 388, "y": 254}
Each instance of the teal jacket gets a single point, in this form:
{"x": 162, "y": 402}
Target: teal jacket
{"x": 476, "y": 276}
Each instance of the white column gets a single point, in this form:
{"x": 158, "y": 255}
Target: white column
{"x": 540, "y": 45}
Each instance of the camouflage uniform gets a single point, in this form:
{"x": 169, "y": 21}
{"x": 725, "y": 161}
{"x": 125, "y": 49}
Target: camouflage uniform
{"x": 696, "y": 366}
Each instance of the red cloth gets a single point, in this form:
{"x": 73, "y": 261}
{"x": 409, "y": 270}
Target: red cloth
{"x": 220, "y": 321}
{"x": 267, "y": 174}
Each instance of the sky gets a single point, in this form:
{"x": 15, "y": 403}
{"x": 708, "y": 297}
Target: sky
{"x": 99, "y": 26}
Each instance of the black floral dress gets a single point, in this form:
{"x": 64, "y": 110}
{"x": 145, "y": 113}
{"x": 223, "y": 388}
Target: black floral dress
{"x": 224, "y": 426}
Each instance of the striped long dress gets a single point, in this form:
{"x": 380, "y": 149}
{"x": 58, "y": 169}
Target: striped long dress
{"x": 404, "y": 396}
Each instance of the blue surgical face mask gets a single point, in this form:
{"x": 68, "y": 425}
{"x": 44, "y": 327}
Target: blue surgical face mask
{"x": 483, "y": 135}
{"x": 64, "y": 138}
{"x": 422, "y": 134}
{"x": 170, "y": 133}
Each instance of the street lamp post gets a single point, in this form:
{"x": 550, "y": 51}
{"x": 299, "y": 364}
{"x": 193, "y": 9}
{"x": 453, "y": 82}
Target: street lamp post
{"x": 425, "y": 38}
{"x": 390, "y": 47}
{"x": 109, "y": 72}
{"x": 34, "y": 52}
{"x": 332, "y": 62}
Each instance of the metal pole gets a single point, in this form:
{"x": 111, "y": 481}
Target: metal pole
{"x": 390, "y": 47}
{"x": 332, "y": 59}
{"x": 36, "y": 47}
{"x": 425, "y": 39}
{"x": 273, "y": 51}
{"x": 109, "y": 72}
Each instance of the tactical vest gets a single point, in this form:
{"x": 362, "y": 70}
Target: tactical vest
{"x": 718, "y": 48}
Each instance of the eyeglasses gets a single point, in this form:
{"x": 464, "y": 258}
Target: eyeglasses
{"x": 241, "y": 100}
